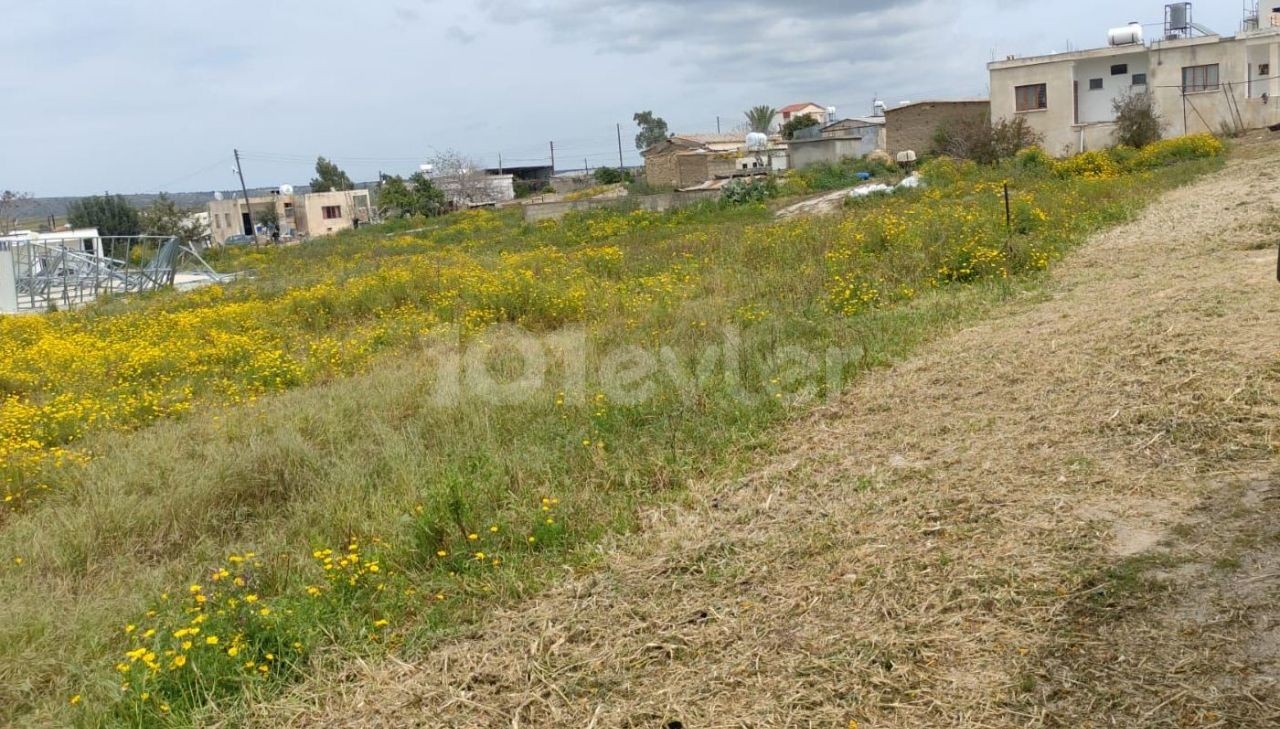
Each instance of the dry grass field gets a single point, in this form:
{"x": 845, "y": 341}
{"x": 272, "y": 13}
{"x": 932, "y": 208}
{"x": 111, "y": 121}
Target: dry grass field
{"x": 913, "y": 463}
{"x": 1063, "y": 515}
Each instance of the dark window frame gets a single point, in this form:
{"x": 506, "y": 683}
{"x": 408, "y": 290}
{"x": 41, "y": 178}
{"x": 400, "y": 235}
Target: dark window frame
{"x": 1120, "y": 69}
{"x": 1135, "y": 80}
{"x": 1095, "y": 84}
{"x": 1197, "y": 79}
{"x": 1031, "y": 97}
{"x": 331, "y": 212}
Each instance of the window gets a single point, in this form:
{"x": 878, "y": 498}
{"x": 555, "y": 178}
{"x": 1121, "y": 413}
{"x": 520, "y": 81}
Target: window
{"x": 1095, "y": 84}
{"x": 1199, "y": 78}
{"x": 332, "y": 212}
{"x": 1264, "y": 69}
{"x": 226, "y": 220}
{"x": 1120, "y": 69}
{"x": 217, "y": 222}
{"x": 1139, "y": 79}
{"x": 1031, "y": 98}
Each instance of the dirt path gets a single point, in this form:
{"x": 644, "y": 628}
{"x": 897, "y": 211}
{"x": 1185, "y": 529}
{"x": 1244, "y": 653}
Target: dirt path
{"x": 1066, "y": 516}
{"x": 823, "y": 204}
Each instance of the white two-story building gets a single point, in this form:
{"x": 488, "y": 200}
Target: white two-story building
{"x": 1199, "y": 82}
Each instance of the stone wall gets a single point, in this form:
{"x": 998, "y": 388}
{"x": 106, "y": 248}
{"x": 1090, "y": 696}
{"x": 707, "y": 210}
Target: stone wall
{"x": 913, "y": 127}
{"x": 655, "y": 203}
{"x": 661, "y": 170}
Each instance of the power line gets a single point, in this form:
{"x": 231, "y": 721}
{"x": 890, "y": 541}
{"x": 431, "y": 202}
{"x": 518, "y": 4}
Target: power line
{"x": 202, "y": 170}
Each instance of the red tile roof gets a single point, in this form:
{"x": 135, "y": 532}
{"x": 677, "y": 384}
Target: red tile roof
{"x": 790, "y": 108}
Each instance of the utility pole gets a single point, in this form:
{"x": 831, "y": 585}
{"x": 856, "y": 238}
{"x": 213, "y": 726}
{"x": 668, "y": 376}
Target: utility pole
{"x": 586, "y": 169}
{"x": 499, "y": 163}
{"x": 717, "y": 124}
{"x": 621, "y": 165}
{"x": 553, "y": 158}
{"x": 253, "y": 229}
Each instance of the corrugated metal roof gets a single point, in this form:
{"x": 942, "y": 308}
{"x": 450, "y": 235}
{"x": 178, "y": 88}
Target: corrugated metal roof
{"x": 863, "y": 120}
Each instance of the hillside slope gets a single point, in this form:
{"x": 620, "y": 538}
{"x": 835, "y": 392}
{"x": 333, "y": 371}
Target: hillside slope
{"x": 1063, "y": 517}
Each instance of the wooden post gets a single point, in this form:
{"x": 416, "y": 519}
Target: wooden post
{"x": 1008, "y": 214}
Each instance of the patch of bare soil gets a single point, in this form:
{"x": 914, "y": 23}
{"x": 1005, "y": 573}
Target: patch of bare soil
{"x": 1063, "y": 517}
{"x": 824, "y": 204}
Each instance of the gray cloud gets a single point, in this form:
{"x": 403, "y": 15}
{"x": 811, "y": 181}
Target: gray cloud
{"x": 407, "y": 15}
{"x": 835, "y": 49}
{"x": 139, "y": 93}
{"x": 457, "y": 33}
{"x": 762, "y": 37}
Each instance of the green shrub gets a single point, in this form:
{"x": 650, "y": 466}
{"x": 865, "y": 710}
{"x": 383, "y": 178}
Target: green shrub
{"x": 978, "y": 139}
{"x": 833, "y": 175}
{"x": 1137, "y": 121}
{"x": 747, "y": 192}
{"x": 611, "y": 175}
{"x": 1033, "y": 159}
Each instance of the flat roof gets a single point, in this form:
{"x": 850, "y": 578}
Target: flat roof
{"x": 1107, "y": 51}
{"x": 812, "y": 140}
{"x": 909, "y": 104}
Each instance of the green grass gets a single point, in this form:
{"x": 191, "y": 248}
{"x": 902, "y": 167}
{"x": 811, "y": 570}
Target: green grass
{"x": 383, "y": 459}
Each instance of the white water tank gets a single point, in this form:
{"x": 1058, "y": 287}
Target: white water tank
{"x": 286, "y": 189}
{"x": 757, "y": 142}
{"x": 877, "y": 108}
{"x": 1130, "y": 35}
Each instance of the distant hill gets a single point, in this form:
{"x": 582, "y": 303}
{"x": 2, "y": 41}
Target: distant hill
{"x": 40, "y": 208}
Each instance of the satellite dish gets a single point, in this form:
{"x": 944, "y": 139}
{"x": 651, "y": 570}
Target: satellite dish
{"x": 286, "y": 189}
{"x": 217, "y": 196}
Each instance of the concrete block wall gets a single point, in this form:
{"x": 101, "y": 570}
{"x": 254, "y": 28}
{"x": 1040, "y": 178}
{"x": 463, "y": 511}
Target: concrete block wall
{"x": 655, "y": 203}
{"x": 913, "y": 127}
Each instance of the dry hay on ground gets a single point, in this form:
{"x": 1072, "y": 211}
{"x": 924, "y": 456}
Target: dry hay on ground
{"x": 936, "y": 548}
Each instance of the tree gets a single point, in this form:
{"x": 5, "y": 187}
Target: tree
{"x": 611, "y": 175}
{"x": 796, "y": 123}
{"x": 1137, "y": 121}
{"x": 760, "y": 118}
{"x": 976, "y": 138}
{"x": 427, "y": 198}
{"x": 10, "y": 201}
{"x": 330, "y": 178}
{"x": 166, "y": 218}
{"x": 653, "y": 129}
{"x": 394, "y": 198}
{"x": 462, "y": 179}
{"x": 112, "y": 215}
{"x": 419, "y": 196}
{"x": 268, "y": 216}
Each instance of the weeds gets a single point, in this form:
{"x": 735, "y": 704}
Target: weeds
{"x": 291, "y": 421}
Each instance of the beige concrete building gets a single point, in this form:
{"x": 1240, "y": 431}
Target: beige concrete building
{"x": 688, "y": 159}
{"x": 866, "y": 127}
{"x": 912, "y": 126}
{"x": 806, "y": 152}
{"x": 807, "y": 108}
{"x": 1205, "y": 83}
{"x": 301, "y": 216}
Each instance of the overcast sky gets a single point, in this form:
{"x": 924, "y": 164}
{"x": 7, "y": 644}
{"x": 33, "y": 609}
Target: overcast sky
{"x": 144, "y": 95}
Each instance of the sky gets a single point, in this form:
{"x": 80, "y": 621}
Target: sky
{"x": 148, "y": 96}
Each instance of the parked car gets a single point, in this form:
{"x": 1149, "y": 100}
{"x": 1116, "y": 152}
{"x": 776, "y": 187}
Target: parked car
{"x": 239, "y": 240}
